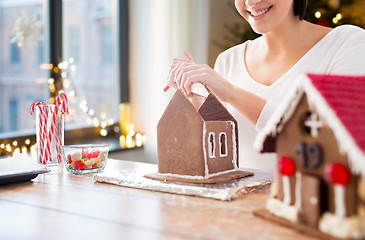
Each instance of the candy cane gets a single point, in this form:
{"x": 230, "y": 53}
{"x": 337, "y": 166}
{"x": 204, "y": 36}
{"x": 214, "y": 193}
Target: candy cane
{"x": 41, "y": 129}
{"x": 33, "y": 105}
{"x": 47, "y": 135}
{"x": 54, "y": 131}
{"x": 62, "y": 105}
{"x": 61, "y": 102}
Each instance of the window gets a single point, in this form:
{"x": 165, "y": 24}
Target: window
{"x": 211, "y": 145}
{"x": 106, "y": 46}
{"x": 14, "y": 54}
{"x": 22, "y": 81}
{"x": 13, "y": 115}
{"x": 73, "y": 44}
{"x": 86, "y": 37}
{"x": 40, "y": 52}
{"x": 223, "y": 144}
{"x": 90, "y": 39}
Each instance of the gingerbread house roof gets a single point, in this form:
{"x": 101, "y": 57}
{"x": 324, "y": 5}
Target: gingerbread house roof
{"x": 339, "y": 101}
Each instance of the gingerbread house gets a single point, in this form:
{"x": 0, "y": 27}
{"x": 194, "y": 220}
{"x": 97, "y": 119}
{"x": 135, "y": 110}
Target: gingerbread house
{"x": 197, "y": 145}
{"x": 318, "y": 135}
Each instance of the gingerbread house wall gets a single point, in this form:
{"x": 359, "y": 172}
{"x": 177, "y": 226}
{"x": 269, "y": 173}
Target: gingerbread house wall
{"x": 179, "y": 139}
{"x": 213, "y": 110}
{"x": 287, "y": 143}
{"x": 220, "y": 155}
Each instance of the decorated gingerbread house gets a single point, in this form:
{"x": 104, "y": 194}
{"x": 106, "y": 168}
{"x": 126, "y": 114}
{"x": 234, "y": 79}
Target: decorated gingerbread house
{"x": 319, "y": 137}
{"x": 197, "y": 145}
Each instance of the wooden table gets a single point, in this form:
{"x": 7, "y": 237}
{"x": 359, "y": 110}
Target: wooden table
{"x": 66, "y": 206}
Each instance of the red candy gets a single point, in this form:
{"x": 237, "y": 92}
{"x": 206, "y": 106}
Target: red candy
{"x": 93, "y": 154}
{"x": 85, "y": 160}
{"x": 337, "y": 173}
{"x": 80, "y": 165}
{"x": 69, "y": 159}
{"x": 286, "y": 166}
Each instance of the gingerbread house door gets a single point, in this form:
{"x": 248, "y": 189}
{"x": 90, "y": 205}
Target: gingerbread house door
{"x": 311, "y": 199}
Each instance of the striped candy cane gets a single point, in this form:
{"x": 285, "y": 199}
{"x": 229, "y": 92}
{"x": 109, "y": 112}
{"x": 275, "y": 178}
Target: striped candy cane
{"x": 55, "y": 133}
{"x": 61, "y": 102}
{"x": 46, "y": 133}
{"x": 42, "y": 132}
{"x": 47, "y": 154}
{"x": 61, "y": 106}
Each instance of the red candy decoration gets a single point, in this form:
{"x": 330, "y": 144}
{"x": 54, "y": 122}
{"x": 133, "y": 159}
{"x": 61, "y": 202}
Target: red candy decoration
{"x": 337, "y": 173}
{"x": 286, "y": 166}
{"x": 94, "y": 154}
{"x": 69, "y": 160}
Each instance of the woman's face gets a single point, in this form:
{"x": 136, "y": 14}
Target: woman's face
{"x": 265, "y": 15}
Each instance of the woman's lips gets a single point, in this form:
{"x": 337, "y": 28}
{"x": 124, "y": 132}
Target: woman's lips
{"x": 259, "y": 12}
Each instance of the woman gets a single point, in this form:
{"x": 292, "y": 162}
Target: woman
{"x": 253, "y": 77}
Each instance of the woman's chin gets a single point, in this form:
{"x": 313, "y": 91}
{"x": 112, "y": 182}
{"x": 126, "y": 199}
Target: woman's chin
{"x": 260, "y": 30}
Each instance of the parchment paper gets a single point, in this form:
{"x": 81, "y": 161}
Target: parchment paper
{"x": 222, "y": 191}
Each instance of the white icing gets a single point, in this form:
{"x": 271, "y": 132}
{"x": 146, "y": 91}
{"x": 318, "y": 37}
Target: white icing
{"x": 211, "y": 145}
{"x": 281, "y": 115}
{"x": 313, "y": 200}
{"x": 286, "y": 190}
{"x": 196, "y": 177}
{"x": 347, "y": 145}
{"x": 340, "y": 206}
{"x": 298, "y": 189}
{"x": 278, "y": 208}
{"x": 205, "y": 150}
{"x": 314, "y": 124}
{"x": 224, "y": 135}
{"x": 234, "y": 145}
{"x": 343, "y": 227}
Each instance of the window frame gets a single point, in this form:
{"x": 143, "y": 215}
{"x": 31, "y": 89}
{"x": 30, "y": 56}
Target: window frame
{"x": 54, "y": 17}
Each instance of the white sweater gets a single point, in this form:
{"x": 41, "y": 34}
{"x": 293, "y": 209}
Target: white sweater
{"x": 341, "y": 51}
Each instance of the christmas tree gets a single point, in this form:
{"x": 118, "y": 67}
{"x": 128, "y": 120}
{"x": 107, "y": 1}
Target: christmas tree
{"x": 332, "y": 13}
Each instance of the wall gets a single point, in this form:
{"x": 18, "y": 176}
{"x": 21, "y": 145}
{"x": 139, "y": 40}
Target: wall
{"x": 159, "y": 31}
{"x": 221, "y": 13}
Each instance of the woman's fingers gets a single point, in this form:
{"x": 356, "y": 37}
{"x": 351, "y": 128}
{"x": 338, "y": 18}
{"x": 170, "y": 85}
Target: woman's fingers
{"x": 171, "y": 76}
{"x": 175, "y": 70}
{"x": 172, "y": 71}
{"x": 183, "y": 70}
{"x": 191, "y": 77}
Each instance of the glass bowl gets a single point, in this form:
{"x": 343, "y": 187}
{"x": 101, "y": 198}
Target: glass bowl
{"x": 85, "y": 158}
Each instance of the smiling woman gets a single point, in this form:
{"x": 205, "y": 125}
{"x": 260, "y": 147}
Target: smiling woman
{"x": 253, "y": 77}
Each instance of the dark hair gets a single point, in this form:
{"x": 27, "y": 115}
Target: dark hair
{"x": 300, "y": 6}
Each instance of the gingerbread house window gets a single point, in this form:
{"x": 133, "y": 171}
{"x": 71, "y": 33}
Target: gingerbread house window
{"x": 211, "y": 145}
{"x": 312, "y": 124}
{"x": 223, "y": 144}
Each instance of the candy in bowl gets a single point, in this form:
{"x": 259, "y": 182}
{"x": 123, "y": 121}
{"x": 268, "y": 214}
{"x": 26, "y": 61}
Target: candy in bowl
{"x": 85, "y": 158}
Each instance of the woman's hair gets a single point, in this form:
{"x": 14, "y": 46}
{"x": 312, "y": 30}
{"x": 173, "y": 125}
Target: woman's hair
{"x": 300, "y": 6}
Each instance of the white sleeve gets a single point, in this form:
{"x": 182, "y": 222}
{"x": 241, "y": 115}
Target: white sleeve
{"x": 219, "y": 65}
{"x": 350, "y": 60}
{"x": 219, "y": 68}
{"x": 266, "y": 114}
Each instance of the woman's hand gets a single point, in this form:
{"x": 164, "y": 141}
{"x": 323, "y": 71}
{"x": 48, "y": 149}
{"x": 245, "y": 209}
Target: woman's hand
{"x": 184, "y": 73}
{"x": 174, "y": 67}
